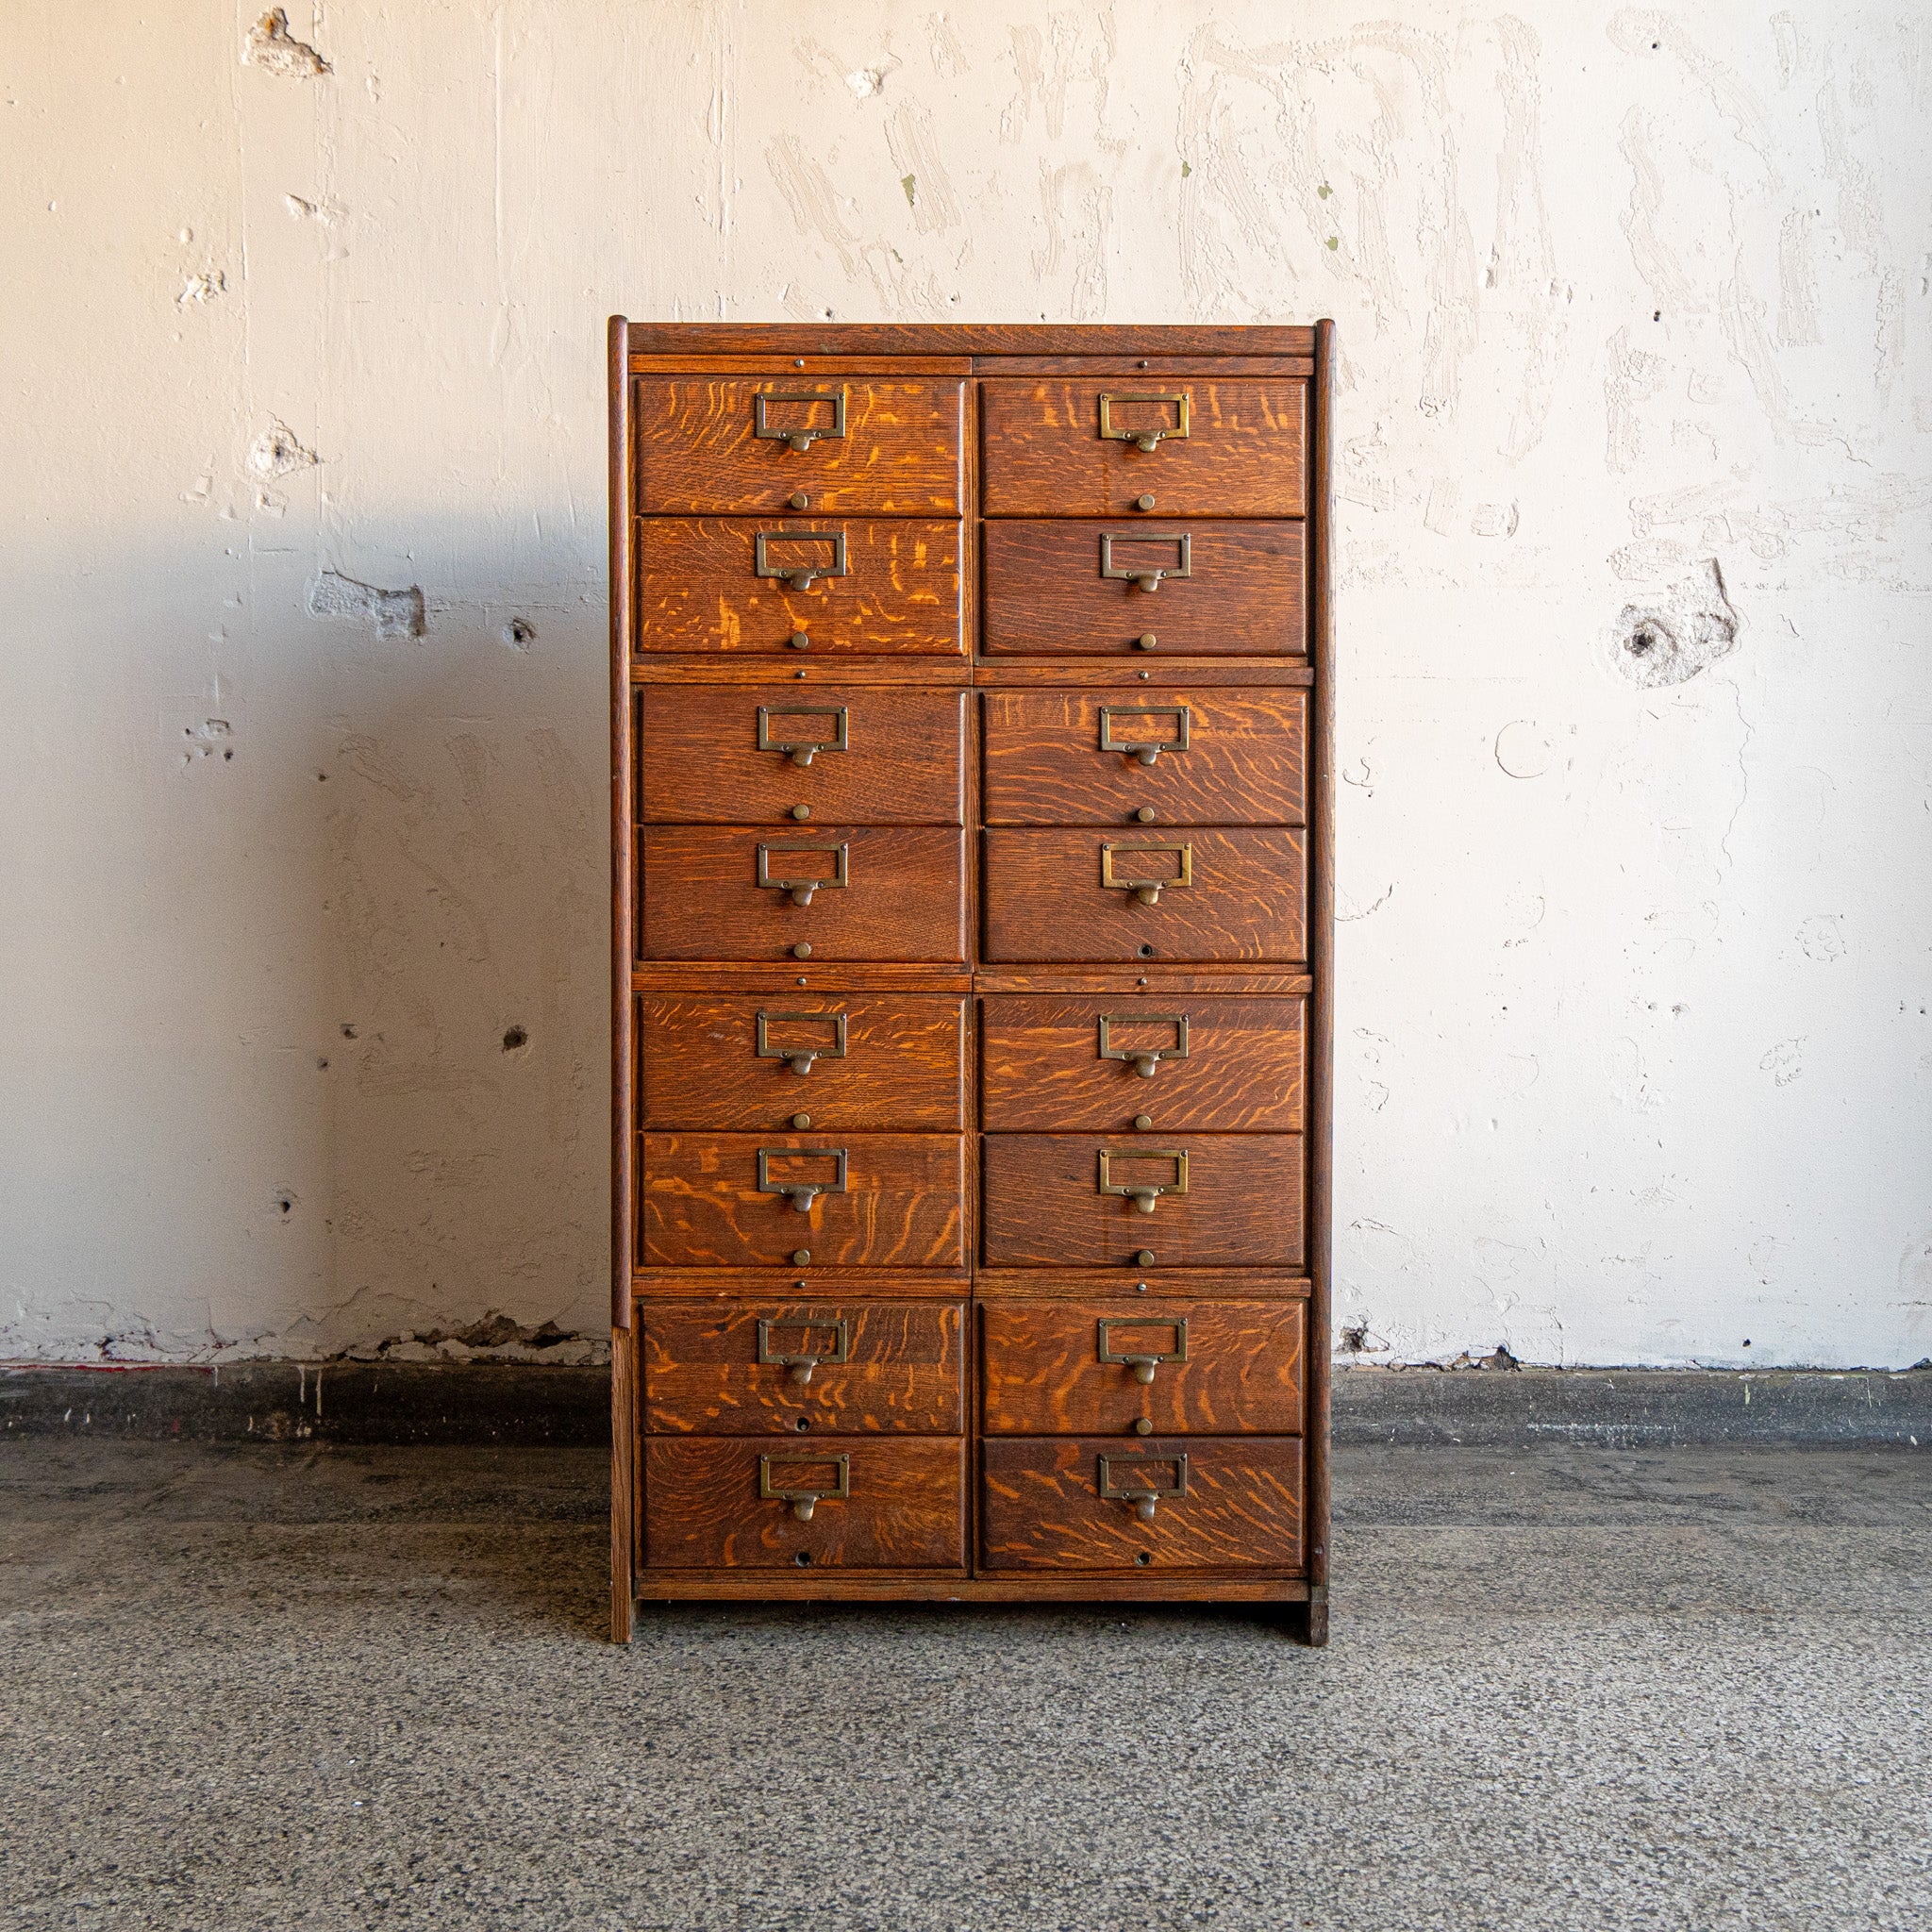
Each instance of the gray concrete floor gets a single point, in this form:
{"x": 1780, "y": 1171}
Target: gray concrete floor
{"x": 263, "y": 1688}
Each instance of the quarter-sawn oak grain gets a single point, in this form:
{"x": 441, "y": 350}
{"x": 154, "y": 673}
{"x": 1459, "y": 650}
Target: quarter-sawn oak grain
{"x": 701, "y": 1375}
{"x": 903, "y": 1065}
{"x": 701, "y": 1206}
{"x": 1045, "y": 899}
{"x": 697, "y": 588}
{"x": 906, "y": 1509}
{"x": 1044, "y": 1208}
{"x": 1044, "y": 593}
{"x": 1040, "y": 1067}
{"x": 1042, "y": 1507}
{"x": 1040, "y": 1372}
{"x": 1242, "y": 765}
{"x": 903, "y": 762}
{"x": 905, "y": 895}
{"x": 1243, "y": 456}
{"x": 695, "y": 452}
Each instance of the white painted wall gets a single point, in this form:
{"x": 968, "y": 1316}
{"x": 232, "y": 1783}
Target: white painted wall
{"x": 1633, "y": 1041}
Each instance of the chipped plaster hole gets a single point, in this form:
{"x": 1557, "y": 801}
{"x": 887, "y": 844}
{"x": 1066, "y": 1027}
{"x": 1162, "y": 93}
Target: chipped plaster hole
{"x": 520, "y": 633}
{"x": 1354, "y": 1339}
{"x": 910, "y": 184}
{"x": 515, "y": 1037}
{"x": 1672, "y": 639}
{"x": 278, "y": 452}
{"x": 284, "y": 1205}
{"x": 394, "y": 614}
{"x": 867, "y": 81}
{"x": 203, "y": 288}
{"x": 348, "y": 1033}
{"x": 271, "y": 47}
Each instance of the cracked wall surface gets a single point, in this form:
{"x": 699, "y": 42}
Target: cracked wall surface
{"x": 305, "y": 815}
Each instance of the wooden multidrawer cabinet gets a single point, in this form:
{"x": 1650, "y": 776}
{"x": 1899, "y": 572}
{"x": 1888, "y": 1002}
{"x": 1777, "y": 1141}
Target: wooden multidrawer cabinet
{"x": 973, "y": 911}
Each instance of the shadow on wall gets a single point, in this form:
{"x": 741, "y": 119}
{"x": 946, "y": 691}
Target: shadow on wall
{"x": 353, "y": 1100}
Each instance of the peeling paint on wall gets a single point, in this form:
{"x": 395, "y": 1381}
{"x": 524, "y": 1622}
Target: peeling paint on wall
{"x": 270, "y": 47}
{"x": 394, "y": 614}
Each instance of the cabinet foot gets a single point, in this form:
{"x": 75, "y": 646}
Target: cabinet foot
{"x": 1306, "y": 1624}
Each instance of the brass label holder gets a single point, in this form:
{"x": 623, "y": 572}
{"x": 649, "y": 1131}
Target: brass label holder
{"x": 805, "y": 1497}
{"x": 799, "y": 890}
{"x": 802, "y": 437}
{"x": 801, "y": 1057}
{"x": 1147, "y": 439}
{"x": 800, "y": 1194}
{"x": 1143, "y": 578}
{"x": 1147, "y": 891}
{"x": 1145, "y": 1195}
{"x": 1144, "y": 750}
{"x": 1143, "y": 1363}
{"x": 802, "y": 1361}
{"x": 802, "y": 750}
{"x": 1145, "y": 1496}
{"x": 1145, "y": 1059}
{"x": 799, "y": 576}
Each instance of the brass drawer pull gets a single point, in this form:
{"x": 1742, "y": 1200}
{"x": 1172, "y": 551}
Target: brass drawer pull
{"x": 803, "y": 749}
{"x": 806, "y": 1496}
{"x": 1146, "y": 579}
{"x": 800, "y": 438}
{"x": 1143, "y": 750}
{"x": 1146, "y": 1493}
{"x": 1145, "y": 438}
{"x": 1146, "y": 891}
{"x": 1143, "y": 1365}
{"x": 800, "y": 576}
{"x": 800, "y": 1194}
{"x": 1144, "y": 1194}
{"x": 800, "y": 1057}
{"x": 1145, "y": 1059}
{"x": 800, "y": 889}
{"x": 803, "y": 1361}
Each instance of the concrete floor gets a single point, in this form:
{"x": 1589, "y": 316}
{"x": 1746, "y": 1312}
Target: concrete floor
{"x": 253, "y": 1689}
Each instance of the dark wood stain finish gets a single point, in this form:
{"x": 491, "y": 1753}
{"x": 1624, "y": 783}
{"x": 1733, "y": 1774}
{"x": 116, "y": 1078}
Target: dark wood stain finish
{"x": 1242, "y": 597}
{"x": 953, "y": 681}
{"x": 1042, "y": 1506}
{"x": 902, "y": 762}
{"x": 1218, "y": 758}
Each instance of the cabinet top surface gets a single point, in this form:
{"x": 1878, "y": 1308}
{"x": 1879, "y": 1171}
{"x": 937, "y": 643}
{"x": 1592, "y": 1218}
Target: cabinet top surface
{"x": 964, "y": 339}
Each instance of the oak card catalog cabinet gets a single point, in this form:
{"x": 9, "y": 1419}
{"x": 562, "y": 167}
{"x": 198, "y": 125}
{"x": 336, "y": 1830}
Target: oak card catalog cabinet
{"x": 970, "y": 753}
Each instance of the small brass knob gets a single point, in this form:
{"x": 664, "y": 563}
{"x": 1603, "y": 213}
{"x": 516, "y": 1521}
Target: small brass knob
{"x": 1143, "y": 1122}
{"x": 802, "y": 950}
{"x": 1140, "y": 503}
{"x": 801, "y": 1120}
{"x": 1143, "y": 1427}
{"x": 1145, "y": 814}
{"x": 1145, "y": 642}
{"x": 799, "y": 641}
{"x": 799, "y": 1257}
{"x": 799, "y": 500}
{"x": 1144, "y": 1259}
{"x": 801, "y": 811}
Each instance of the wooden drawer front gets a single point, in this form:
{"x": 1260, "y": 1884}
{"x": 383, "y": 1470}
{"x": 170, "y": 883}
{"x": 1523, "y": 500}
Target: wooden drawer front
{"x": 1243, "y": 1207}
{"x": 903, "y": 895}
{"x": 706, "y": 1506}
{"x": 1045, "y": 455}
{"x": 872, "y": 755}
{"x": 1047, "y": 899}
{"x": 699, "y": 453}
{"x": 1044, "y": 1507}
{"x": 1074, "y": 1368}
{"x": 736, "y": 1370}
{"x": 894, "y": 1200}
{"x": 1228, "y": 1064}
{"x": 865, "y": 1062}
{"x": 1242, "y": 596}
{"x": 1204, "y": 757}
{"x": 893, "y": 586}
